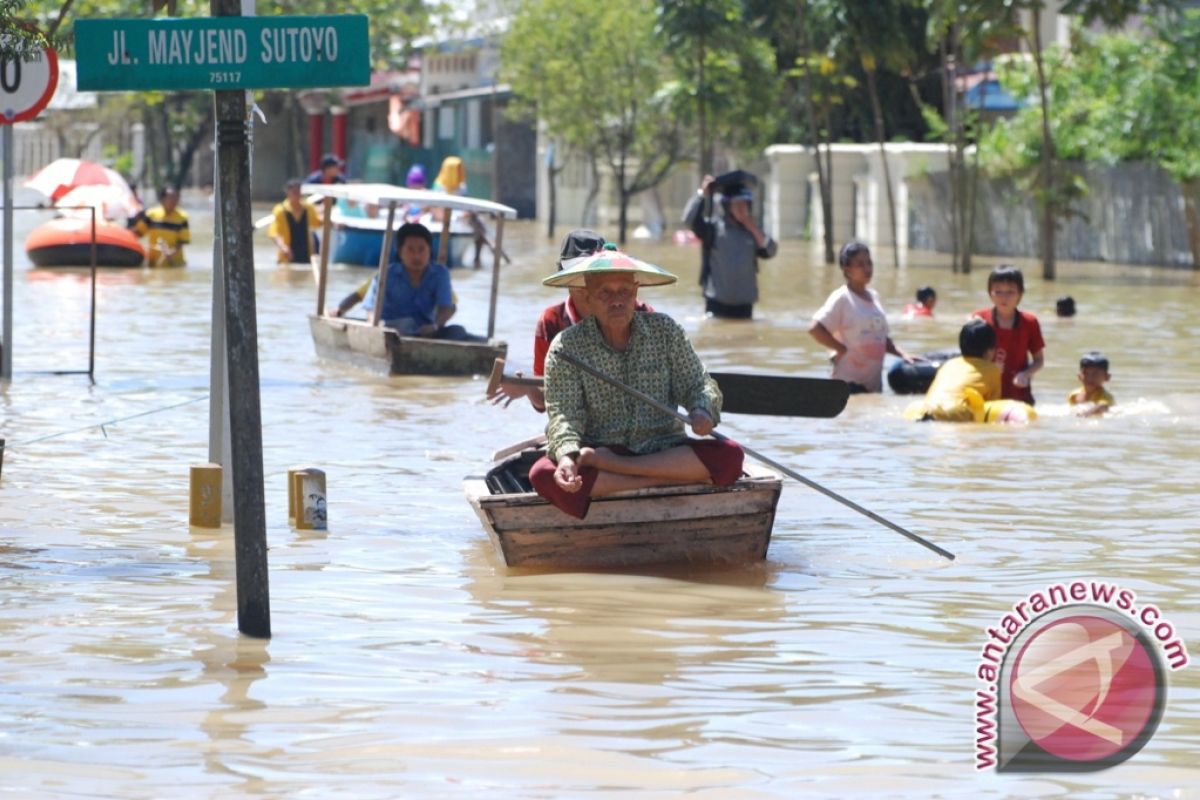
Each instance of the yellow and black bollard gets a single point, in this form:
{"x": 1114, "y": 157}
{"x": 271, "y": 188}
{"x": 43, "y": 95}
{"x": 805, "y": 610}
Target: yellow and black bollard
{"x": 310, "y": 499}
{"x": 204, "y": 506}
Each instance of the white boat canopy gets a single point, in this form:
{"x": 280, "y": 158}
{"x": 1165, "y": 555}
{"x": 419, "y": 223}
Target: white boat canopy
{"x": 382, "y": 194}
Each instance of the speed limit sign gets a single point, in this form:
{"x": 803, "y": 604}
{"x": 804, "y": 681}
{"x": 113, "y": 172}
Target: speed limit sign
{"x": 26, "y": 86}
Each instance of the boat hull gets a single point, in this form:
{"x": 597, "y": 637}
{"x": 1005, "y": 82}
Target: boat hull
{"x": 67, "y": 242}
{"x": 384, "y": 350}
{"x": 698, "y": 525}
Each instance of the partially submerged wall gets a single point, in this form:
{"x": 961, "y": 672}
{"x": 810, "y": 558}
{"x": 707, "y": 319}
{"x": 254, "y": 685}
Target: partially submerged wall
{"x": 1132, "y": 213}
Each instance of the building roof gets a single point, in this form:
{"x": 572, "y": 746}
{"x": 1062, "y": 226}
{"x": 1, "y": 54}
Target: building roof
{"x": 435, "y": 100}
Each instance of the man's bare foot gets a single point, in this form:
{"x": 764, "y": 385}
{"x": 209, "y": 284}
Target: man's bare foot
{"x": 596, "y": 457}
{"x": 586, "y": 454}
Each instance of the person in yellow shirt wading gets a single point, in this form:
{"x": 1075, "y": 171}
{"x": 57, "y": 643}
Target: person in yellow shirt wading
{"x": 166, "y": 229}
{"x": 293, "y": 227}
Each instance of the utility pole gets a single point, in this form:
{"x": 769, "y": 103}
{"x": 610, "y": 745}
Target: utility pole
{"x": 241, "y": 351}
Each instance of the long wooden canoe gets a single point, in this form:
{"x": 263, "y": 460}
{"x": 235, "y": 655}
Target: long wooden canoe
{"x": 691, "y": 524}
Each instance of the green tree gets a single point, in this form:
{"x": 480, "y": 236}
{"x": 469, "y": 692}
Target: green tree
{"x": 825, "y": 87}
{"x": 22, "y": 34}
{"x": 871, "y": 30}
{"x": 1170, "y": 107}
{"x": 1054, "y": 192}
{"x": 727, "y": 83}
{"x": 595, "y": 75}
{"x": 962, "y": 34}
{"x": 1125, "y": 97}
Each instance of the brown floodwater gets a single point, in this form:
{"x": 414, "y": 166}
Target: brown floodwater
{"x": 407, "y": 661}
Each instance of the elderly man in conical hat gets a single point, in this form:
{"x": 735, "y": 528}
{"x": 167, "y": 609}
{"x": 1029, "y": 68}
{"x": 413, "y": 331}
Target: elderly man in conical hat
{"x": 601, "y": 440}
{"x": 578, "y": 244}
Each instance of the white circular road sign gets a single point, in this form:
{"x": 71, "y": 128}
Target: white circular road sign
{"x": 27, "y": 86}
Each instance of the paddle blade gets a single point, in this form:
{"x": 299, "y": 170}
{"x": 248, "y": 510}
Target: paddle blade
{"x": 781, "y": 396}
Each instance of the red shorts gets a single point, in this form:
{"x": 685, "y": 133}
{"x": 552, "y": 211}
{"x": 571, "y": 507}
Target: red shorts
{"x": 721, "y": 457}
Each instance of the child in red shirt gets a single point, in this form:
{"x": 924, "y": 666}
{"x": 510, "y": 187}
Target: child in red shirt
{"x": 1019, "y": 344}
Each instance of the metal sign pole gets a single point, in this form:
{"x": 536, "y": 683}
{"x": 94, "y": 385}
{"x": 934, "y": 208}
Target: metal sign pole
{"x": 218, "y": 384}
{"x": 6, "y": 343}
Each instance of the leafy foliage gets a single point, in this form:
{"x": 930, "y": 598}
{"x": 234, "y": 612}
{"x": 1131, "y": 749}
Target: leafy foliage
{"x": 1131, "y": 96}
{"x": 727, "y": 86}
{"x": 595, "y": 76}
{"x": 20, "y": 39}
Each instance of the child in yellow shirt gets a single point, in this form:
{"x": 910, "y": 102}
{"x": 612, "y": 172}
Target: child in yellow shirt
{"x": 1091, "y": 398}
{"x": 962, "y": 385}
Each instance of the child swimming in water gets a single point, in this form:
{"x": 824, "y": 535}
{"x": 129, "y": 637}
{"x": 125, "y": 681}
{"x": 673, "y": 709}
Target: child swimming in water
{"x": 926, "y": 300}
{"x": 1091, "y": 398}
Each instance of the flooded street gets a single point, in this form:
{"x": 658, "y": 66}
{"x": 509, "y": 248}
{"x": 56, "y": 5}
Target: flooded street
{"x": 406, "y": 661}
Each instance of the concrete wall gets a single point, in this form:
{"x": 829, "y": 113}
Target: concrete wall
{"x": 1132, "y": 214}
{"x": 659, "y": 211}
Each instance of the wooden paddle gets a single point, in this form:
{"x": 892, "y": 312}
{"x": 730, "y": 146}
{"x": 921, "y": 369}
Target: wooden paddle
{"x": 764, "y": 395}
{"x": 645, "y": 398}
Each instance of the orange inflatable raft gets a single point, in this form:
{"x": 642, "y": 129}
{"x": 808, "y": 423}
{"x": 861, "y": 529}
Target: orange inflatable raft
{"x": 67, "y": 242}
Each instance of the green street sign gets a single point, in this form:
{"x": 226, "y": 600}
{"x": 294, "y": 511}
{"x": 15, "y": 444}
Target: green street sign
{"x": 222, "y": 53}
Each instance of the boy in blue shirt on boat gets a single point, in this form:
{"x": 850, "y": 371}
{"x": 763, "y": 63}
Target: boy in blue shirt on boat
{"x": 418, "y": 300}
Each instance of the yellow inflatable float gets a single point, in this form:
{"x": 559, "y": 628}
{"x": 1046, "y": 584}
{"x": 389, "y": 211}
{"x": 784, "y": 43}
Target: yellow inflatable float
{"x": 971, "y": 407}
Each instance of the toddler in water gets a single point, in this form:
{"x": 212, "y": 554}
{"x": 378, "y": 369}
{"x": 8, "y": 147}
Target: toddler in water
{"x": 1091, "y": 398}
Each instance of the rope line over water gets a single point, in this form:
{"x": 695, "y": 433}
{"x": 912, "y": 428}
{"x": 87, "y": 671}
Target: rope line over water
{"x": 103, "y": 425}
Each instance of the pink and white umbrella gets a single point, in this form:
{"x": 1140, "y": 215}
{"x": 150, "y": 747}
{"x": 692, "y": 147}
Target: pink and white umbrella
{"x": 62, "y": 175}
{"x": 110, "y": 202}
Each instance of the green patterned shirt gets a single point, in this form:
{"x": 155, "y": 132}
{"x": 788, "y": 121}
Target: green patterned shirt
{"x": 586, "y": 411}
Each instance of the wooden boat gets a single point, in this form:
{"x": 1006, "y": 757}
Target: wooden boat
{"x": 383, "y": 349}
{"x": 67, "y": 242}
{"x": 692, "y": 524}
{"x": 371, "y": 344}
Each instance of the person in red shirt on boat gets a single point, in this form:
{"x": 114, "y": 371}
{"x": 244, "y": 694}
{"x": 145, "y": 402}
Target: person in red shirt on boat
{"x": 1020, "y": 349}
{"x": 578, "y": 244}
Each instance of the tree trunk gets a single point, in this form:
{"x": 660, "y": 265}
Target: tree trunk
{"x": 950, "y": 104}
{"x": 827, "y": 191}
{"x": 623, "y": 210}
{"x": 824, "y": 172}
{"x": 972, "y": 193}
{"x": 877, "y": 111}
{"x": 1191, "y": 211}
{"x": 706, "y": 148}
{"x": 589, "y": 202}
{"x": 1049, "y": 193}
{"x": 552, "y": 213}
{"x": 190, "y": 145}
